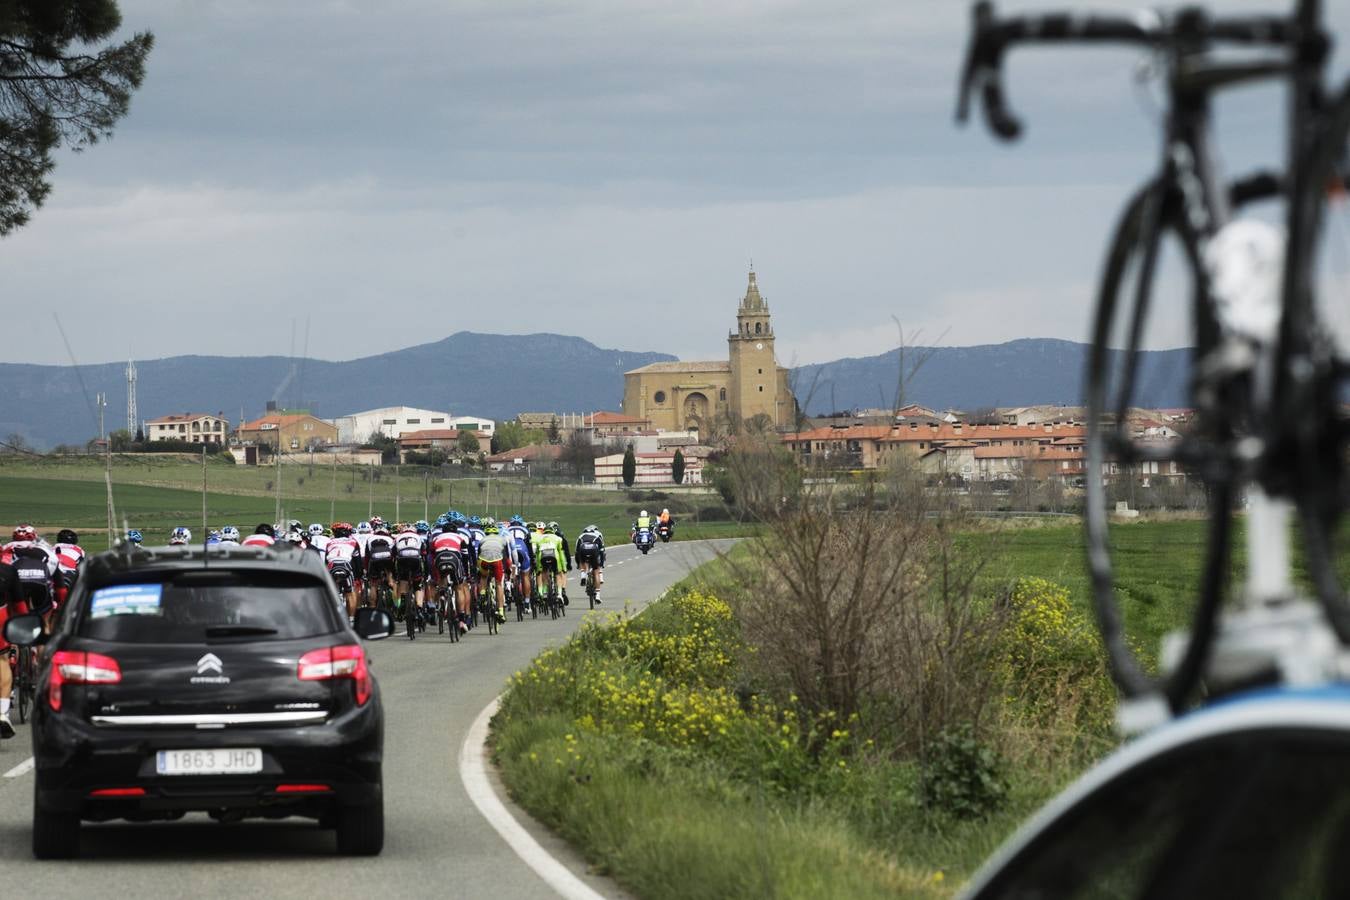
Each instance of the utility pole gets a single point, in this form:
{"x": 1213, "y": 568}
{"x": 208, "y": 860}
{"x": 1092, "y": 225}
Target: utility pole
{"x": 102, "y": 400}
{"x": 332, "y": 493}
{"x": 397, "y": 494}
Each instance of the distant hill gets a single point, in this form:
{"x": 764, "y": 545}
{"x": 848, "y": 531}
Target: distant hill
{"x": 1019, "y": 373}
{"x": 501, "y": 375}
{"x": 489, "y": 375}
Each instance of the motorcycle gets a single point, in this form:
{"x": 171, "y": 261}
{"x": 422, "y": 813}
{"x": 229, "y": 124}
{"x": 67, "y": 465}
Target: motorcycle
{"x": 644, "y": 540}
{"x": 664, "y": 532}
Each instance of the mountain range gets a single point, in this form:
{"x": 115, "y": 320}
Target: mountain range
{"x": 498, "y": 376}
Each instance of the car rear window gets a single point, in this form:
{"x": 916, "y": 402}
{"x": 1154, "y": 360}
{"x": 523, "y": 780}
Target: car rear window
{"x": 196, "y": 607}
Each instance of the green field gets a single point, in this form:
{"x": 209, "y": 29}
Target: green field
{"x": 155, "y": 494}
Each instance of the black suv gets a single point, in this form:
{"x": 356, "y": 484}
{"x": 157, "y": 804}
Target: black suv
{"x": 226, "y": 681}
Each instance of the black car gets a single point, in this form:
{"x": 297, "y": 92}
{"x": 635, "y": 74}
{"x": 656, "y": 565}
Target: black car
{"x": 225, "y": 681}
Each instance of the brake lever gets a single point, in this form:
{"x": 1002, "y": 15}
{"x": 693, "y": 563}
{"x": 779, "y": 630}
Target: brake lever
{"x": 984, "y": 65}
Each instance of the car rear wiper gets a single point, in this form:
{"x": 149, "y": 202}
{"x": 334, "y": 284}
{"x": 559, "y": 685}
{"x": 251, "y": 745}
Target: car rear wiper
{"x": 238, "y": 630}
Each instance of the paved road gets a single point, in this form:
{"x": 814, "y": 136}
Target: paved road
{"x": 436, "y": 844}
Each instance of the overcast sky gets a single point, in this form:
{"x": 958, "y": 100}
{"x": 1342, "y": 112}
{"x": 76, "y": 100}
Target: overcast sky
{"x": 388, "y": 172}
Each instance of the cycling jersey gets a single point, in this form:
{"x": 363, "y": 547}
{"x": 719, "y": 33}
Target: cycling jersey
{"x": 68, "y": 557}
{"x": 549, "y": 551}
{"x": 259, "y": 540}
{"x": 380, "y": 548}
{"x": 320, "y": 541}
{"x": 8, "y": 552}
{"x": 494, "y": 548}
{"x": 408, "y": 545}
{"x": 343, "y": 550}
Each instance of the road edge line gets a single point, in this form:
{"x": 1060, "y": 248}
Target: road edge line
{"x": 474, "y": 776}
{"x": 22, "y": 768}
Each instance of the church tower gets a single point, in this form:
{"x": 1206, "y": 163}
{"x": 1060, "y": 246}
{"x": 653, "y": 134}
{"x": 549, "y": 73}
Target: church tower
{"x": 755, "y": 378}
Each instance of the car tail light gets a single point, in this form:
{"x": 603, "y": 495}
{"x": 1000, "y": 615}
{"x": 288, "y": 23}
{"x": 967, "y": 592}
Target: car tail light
{"x": 343, "y": 661}
{"x": 302, "y": 789}
{"x": 118, "y": 792}
{"x": 78, "y": 667}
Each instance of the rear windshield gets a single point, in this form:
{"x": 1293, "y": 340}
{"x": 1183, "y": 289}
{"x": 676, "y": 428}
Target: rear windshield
{"x": 195, "y": 607}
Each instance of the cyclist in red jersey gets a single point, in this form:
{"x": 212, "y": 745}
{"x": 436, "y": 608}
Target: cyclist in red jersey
{"x": 9, "y": 600}
{"x": 263, "y": 536}
{"x": 69, "y": 557}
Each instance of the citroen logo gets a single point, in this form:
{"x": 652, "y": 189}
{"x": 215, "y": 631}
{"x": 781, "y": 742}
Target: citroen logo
{"x": 209, "y": 663}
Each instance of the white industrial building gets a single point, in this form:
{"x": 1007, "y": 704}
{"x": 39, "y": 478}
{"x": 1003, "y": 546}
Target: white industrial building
{"x": 395, "y": 421}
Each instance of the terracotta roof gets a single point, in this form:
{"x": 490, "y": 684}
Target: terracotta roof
{"x": 715, "y": 365}
{"x": 529, "y": 453}
{"x": 1057, "y": 453}
{"x": 436, "y": 434}
{"x": 978, "y": 433}
{"x": 278, "y": 421}
{"x": 605, "y": 417}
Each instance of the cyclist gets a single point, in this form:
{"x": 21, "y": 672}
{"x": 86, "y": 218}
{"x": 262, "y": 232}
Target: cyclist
{"x": 379, "y": 557}
{"x": 408, "y": 565}
{"x": 521, "y": 558}
{"x": 494, "y": 561}
{"x": 548, "y": 551}
{"x": 229, "y": 536}
{"x": 363, "y": 533}
{"x": 35, "y": 565}
{"x": 590, "y": 557}
{"x": 180, "y": 537}
{"x": 556, "y": 529}
{"x": 448, "y": 550}
{"x": 263, "y": 536}
{"x": 69, "y": 556}
{"x": 11, "y": 598}
{"x": 317, "y": 539}
{"x": 342, "y": 556}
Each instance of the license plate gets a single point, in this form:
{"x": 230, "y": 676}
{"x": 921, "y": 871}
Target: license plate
{"x": 232, "y": 761}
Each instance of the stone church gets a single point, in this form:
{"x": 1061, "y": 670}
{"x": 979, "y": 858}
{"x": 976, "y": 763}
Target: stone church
{"x": 678, "y": 396}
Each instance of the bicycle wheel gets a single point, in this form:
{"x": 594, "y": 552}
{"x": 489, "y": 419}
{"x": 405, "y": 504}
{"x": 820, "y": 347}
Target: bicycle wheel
{"x": 409, "y": 614}
{"x": 1198, "y": 463}
{"x": 1314, "y": 360}
{"x": 490, "y": 613}
{"x": 25, "y": 685}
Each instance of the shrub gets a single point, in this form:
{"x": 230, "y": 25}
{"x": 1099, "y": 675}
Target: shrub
{"x": 961, "y": 776}
{"x": 1057, "y": 681}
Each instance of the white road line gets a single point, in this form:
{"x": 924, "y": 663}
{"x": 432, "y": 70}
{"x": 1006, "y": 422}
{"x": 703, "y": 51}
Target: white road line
{"x": 22, "y": 768}
{"x": 473, "y": 772}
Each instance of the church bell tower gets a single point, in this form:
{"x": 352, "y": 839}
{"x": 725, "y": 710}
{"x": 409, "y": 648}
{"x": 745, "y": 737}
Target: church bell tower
{"x": 754, "y": 371}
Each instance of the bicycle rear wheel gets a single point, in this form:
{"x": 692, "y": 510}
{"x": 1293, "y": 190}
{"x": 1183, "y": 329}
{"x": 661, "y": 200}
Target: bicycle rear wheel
{"x": 1314, "y": 360}
{"x": 1117, "y": 459}
{"x": 26, "y": 682}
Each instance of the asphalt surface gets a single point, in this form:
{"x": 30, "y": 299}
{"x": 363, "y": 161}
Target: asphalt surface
{"x": 436, "y": 843}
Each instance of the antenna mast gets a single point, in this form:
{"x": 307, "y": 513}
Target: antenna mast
{"x": 132, "y": 415}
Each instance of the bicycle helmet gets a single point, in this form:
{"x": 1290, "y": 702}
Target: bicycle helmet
{"x": 490, "y": 528}
{"x": 591, "y": 529}
{"x": 376, "y": 522}
{"x": 295, "y": 525}
{"x": 135, "y": 536}
{"x": 517, "y": 519}
{"x": 180, "y": 536}
{"x": 25, "y": 533}
{"x": 316, "y": 529}
{"x": 554, "y": 528}
{"x": 383, "y": 531}
{"x": 213, "y": 537}
{"x": 66, "y": 536}
{"x": 363, "y": 528}
{"x": 421, "y": 526}
{"x": 475, "y": 522}
{"x": 540, "y": 527}
{"x": 643, "y": 514}
{"x": 295, "y": 536}
{"x": 265, "y": 528}
{"x": 342, "y": 529}
{"x": 229, "y": 533}
{"x": 442, "y": 520}
{"x": 488, "y": 520}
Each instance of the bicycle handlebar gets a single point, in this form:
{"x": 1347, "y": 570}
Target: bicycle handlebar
{"x": 991, "y": 36}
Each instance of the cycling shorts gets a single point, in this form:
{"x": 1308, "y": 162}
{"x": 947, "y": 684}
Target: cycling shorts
{"x": 409, "y": 568}
{"x": 450, "y": 566}
{"x": 548, "y": 563}
{"x": 343, "y": 576}
{"x": 381, "y": 569}
{"x": 491, "y": 568}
